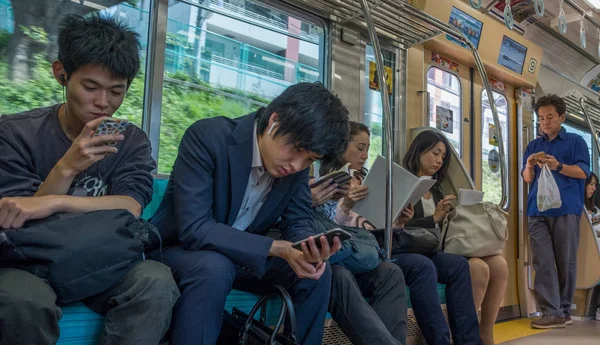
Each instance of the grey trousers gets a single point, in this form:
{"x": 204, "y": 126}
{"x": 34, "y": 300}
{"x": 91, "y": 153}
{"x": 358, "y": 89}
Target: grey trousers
{"x": 137, "y": 309}
{"x": 380, "y": 321}
{"x": 554, "y": 242}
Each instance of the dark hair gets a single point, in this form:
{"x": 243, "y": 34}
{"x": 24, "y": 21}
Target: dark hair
{"x": 589, "y": 202}
{"x": 311, "y": 117}
{"x": 554, "y": 100}
{"x": 333, "y": 163}
{"x": 424, "y": 142}
{"x": 95, "y": 40}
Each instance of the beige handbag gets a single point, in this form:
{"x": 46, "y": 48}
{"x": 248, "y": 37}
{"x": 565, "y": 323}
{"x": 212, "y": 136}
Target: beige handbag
{"x": 475, "y": 230}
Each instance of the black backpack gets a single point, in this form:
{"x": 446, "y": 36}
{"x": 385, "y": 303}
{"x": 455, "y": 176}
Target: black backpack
{"x": 79, "y": 254}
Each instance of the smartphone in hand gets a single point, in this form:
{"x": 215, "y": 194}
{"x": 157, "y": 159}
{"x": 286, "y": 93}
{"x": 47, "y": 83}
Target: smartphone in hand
{"x": 330, "y": 235}
{"x": 108, "y": 125}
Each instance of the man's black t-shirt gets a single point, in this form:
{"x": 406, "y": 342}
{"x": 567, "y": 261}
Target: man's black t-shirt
{"x": 32, "y": 142}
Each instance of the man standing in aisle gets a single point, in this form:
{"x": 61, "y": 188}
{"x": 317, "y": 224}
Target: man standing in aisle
{"x": 554, "y": 233}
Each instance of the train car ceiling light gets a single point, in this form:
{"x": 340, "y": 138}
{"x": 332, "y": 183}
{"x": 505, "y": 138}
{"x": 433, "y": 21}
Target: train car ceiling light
{"x": 582, "y": 38}
{"x": 594, "y": 3}
{"x": 598, "y": 31}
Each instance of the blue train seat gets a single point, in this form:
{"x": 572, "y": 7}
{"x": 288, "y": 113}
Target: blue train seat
{"x": 81, "y": 326}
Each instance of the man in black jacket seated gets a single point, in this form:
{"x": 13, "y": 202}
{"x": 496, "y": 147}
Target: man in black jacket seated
{"x": 52, "y": 162}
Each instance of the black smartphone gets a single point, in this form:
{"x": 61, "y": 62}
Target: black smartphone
{"x": 340, "y": 177}
{"x": 329, "y": 234}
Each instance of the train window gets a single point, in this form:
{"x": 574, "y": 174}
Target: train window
{"x": 228, "y": 58}
{"x": 373, "y": 107}
{"x": 586, "y": 135}
{"x": 445, "y": 105}
{"x": 489, "y": 146}
{"x": 27, "y": 50}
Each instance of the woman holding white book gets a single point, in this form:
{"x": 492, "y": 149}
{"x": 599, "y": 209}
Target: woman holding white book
{"x": 428, "y": 155}
{"x": 381, "y": 319}
{"x": 421, "y": 273}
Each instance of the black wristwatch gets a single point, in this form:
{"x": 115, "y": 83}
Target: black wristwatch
{"x": 559, "y": 167}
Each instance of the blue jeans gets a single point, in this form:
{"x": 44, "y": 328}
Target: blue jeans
{"x": 205, "y": 278}
{"x": 422, "y": 274}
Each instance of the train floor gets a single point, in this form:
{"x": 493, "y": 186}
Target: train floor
{"x": 518, "y": 332}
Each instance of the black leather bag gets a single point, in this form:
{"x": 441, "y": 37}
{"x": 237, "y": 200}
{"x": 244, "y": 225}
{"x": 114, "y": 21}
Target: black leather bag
{"x": 412, "y": 240}
{"x": 242, "y": 329}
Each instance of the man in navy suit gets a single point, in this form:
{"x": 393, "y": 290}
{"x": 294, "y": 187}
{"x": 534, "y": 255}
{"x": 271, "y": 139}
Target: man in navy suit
{"x": 233, "y": 179}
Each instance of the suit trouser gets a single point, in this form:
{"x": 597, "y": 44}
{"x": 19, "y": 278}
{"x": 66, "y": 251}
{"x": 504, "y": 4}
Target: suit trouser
{"x": 554, "y": 242}
{"x": 380, "y": 321}
{"x": 206, "y": 277}
{"x": 137, "y": 309}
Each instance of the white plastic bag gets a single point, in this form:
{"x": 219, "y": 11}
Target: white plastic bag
{"x": 548, "y": 195}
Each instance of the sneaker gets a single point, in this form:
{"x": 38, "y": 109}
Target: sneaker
{"x": 568, "y": 320}
{"x": 549, "y": 321}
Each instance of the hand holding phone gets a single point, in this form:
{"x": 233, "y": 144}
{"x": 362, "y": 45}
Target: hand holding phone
{"x": 329, "y": 235}
{"x": 92, "y": 144}
{"x": 109, "y": 125}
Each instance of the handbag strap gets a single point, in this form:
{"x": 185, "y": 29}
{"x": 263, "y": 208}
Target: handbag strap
{"x": 286, "y": 305}
{"x": 287, "y": 300}
{"x": 486, "y": 207}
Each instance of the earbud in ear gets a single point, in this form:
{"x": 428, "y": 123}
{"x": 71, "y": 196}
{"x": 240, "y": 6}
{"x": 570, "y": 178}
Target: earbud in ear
{"x": 271, "y": 129}
{"x": 62, "y": 79}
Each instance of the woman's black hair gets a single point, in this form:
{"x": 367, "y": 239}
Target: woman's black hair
{"x": 334, "y": 163}
{"x": 424, "y": 142}
{"x": 589, "y": 202}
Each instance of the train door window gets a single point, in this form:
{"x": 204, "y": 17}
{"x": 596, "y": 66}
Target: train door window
{"x": 228, "y": 58}
{"x": 26, "y": 71}
{"x": 490, "y": 163}
{"x": 373, "y": 116}
{"x": 586, "y": 135}
{"x": 445, "y": 105}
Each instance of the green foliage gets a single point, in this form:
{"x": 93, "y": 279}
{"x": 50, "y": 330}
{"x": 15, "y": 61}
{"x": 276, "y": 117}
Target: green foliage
{"x": 4, "y": 41}
{"x": 491, "y": 184}
{"x": 42, "y": 90}
{"x": 376, "y": 147}
{"x": 181, "y": 105}
{"x": 35, "y": 33}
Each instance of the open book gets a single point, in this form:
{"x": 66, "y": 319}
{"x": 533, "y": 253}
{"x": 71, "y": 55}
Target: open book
{"x": 341, "y": 176}
{"x": 407, "y": 189}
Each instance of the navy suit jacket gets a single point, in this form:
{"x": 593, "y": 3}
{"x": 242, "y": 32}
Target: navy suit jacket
{"x": 205, "y": 193}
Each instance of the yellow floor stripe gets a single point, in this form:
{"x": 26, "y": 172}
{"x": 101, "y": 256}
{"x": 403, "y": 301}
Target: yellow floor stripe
{"x": 516, "y": 329}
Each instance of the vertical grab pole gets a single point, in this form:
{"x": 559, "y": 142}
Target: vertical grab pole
{"x": 387, "y": 114}
{"x": 490, "y": 94}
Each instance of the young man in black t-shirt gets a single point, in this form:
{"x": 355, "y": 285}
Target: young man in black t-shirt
{"x": 52, "y": 162}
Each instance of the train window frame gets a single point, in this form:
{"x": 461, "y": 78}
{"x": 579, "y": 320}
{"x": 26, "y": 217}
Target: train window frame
{"x": 155, "y": 120}
{"x": 506, "y": 133}
{"x": 460, "y": 103}
{"x": 592, "y": 149}
{"x": 393, "y": 97}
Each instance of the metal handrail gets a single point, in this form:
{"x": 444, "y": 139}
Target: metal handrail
{"x": 387, "y": 113}
{"x": 438, "y": 24}
{"x": 582, "y": 103}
